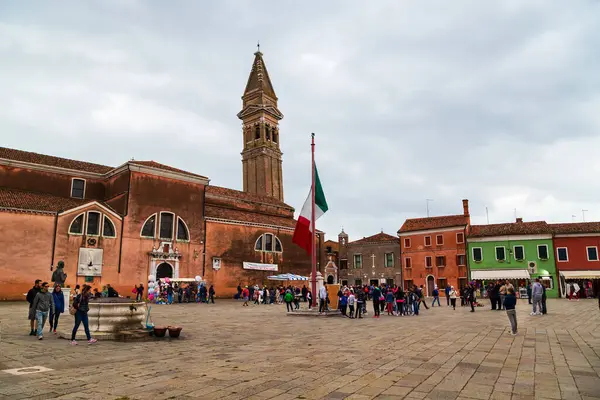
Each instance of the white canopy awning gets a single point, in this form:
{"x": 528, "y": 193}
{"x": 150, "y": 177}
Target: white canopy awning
{"x": 581, "y": 274}
{"x": 499, "y": 274}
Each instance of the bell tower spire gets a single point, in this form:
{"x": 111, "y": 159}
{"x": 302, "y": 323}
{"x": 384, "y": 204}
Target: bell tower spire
{"x": 261, "y": 156}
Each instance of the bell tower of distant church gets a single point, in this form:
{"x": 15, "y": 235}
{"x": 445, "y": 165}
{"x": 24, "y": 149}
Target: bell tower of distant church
{"x": 261, "y": 157}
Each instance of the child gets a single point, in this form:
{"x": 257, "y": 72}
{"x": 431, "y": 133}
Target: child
{"x": 351, "y": 301}
{"x": 389, "y": 302}
{"x": 510, "y": 301}
{"x": 344, "y": 304}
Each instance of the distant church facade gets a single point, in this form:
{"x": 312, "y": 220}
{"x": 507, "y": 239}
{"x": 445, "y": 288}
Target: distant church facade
{"x": 117, "y": 225}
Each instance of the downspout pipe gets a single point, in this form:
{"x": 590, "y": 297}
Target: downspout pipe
{"x": 54, "y": 240}
{"x": 204, "y": 239}
{"x": 123, "y": 221}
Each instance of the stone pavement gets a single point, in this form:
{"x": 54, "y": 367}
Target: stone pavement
{"x": 230, "y": 352}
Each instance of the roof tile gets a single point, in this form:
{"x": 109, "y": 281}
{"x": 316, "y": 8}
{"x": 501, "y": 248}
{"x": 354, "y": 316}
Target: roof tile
{"x": 576, "y": 227}
{"x": 42, "y": 159}
{"x": 22, "y": 200}
{"x": 446, "y": 221}
{"x": 512, "y": 228}
{"x": 378, "y": 238}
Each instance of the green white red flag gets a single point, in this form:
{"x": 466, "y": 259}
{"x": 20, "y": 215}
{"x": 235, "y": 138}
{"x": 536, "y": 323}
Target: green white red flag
{"x": 304, "y": 232}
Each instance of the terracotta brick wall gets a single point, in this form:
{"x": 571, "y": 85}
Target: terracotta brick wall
{"x": 25, "y": 252}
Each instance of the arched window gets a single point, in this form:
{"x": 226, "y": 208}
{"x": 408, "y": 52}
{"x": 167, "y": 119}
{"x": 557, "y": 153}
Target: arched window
{"x": 275, "y": 134}
{"x": 95, "y": 224}
{"x": 182, "y": 230}
{"x": 268, "y": 242}
{"x": 268, "y": 132}
{"x": 257, "y": 132}
{"x": 165, "y": 225}
{"x": 76, "y": 227}
{"x": 108, "y": 228}
{"x": 149, "y": 228}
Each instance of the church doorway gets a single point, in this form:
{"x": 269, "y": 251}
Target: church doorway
{"x": 164, "y": 270}
{"x": 330, "y": 279}
{"x": 430, "y": 284}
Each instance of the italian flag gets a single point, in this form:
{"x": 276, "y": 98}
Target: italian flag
{"x": 304, "y": 232}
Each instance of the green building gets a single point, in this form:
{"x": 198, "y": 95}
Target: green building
{"x": 518, "y": 252}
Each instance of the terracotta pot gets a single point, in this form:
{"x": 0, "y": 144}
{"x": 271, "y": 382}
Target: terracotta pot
{"x": 174, "y": 331}
{"x": 160, "y": 331}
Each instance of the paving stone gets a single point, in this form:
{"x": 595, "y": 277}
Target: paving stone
{"x": 230, "y": 352}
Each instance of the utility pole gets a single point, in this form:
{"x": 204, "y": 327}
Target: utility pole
{"x": 427, "y": 203}
{"x": 583, "y": 214}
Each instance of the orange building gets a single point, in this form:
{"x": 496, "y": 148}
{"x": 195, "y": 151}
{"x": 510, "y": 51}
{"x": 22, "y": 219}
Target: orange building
{"x": 433, "y": 251}
{"x": 120, "y": 224}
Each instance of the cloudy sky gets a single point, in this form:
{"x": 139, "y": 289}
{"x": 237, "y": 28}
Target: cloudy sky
{"x": 494, "y": 101}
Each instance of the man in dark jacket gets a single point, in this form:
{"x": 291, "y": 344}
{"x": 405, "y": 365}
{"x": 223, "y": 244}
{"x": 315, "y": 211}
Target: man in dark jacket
{"x": 30, "y": 297}
{"x": 43, "y": 304}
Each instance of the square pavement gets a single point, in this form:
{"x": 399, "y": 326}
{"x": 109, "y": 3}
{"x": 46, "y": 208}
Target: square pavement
{"x": 232, "y": 352}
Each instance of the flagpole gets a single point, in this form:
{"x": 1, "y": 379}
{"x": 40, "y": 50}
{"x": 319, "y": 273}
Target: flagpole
{"x": 314, "y": 228}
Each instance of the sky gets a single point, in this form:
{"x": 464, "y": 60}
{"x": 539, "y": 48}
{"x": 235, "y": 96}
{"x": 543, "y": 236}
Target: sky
{"x": 496, "y": 102}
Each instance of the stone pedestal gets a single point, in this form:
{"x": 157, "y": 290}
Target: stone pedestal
{"x": 66, "y": 295}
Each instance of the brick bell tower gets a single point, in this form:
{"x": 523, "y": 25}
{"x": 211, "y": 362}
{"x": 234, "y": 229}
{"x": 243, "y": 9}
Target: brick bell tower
{"x": 261, "y": 157}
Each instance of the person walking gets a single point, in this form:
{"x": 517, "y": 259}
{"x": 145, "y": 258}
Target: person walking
{"x": 59, "y": 307}
{"x": 344, "y": 304}
{"x": 452, "y": 297}
{"x": 140, "y": 292}
{"x": 30, "y": 297}
{"x": 322, "y": 299}
{"x": 390, "y": 301}
{"x": 544, "y": 309}
{"x": 376, "y": 300}
{"x": 447, "y": 292}
{"x": 211, "y": 294}
{"x": 471, "y": 296}
{"x": 42, "y": 304}
{"x": 245, "y": 296}
{"x": 502, "y": 292}
{"x": 436, "y": 296}
{"x": 351, "y": 303}
{"x": 169, "y": 294}
{"x": 510, "y": 302}
{"x": 537, "y": 291}
{"x": 360, "y": 303}
{"x": 421, "y": 293}
{"x": 288, "y": 298}
{"x": 81, "y": 305}
{"x": 399, "y": 301}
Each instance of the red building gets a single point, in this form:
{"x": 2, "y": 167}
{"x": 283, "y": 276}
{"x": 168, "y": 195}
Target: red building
{"x": 433, "y": 251}
{"x": 577, "y": 257}
{"x": 120, "y": 224}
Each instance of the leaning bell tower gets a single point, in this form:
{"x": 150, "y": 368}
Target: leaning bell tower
{"x": 261, "y": 156}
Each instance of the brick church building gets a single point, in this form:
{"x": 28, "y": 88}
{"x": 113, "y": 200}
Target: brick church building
{"x": 117, "y": 225}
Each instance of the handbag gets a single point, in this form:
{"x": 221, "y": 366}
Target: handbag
{"x": 72, "y": 310}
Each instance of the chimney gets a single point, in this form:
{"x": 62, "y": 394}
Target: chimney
{"x": 465, "y": 207}
{"x": 519, "y": 220}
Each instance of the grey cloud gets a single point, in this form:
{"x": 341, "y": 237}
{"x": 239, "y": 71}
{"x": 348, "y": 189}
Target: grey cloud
{"x": 492, "y": 101}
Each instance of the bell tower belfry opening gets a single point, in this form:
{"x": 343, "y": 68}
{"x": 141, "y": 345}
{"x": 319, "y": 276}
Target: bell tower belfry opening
{"x": 261, "y": 156}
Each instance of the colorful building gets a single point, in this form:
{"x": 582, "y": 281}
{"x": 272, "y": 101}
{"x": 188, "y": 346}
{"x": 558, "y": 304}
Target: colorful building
{"x": 517, "y": 252}
{"x": 434, "y": 251}
{"x": 577, "y": 258}
{"x": 370, "y": 260}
